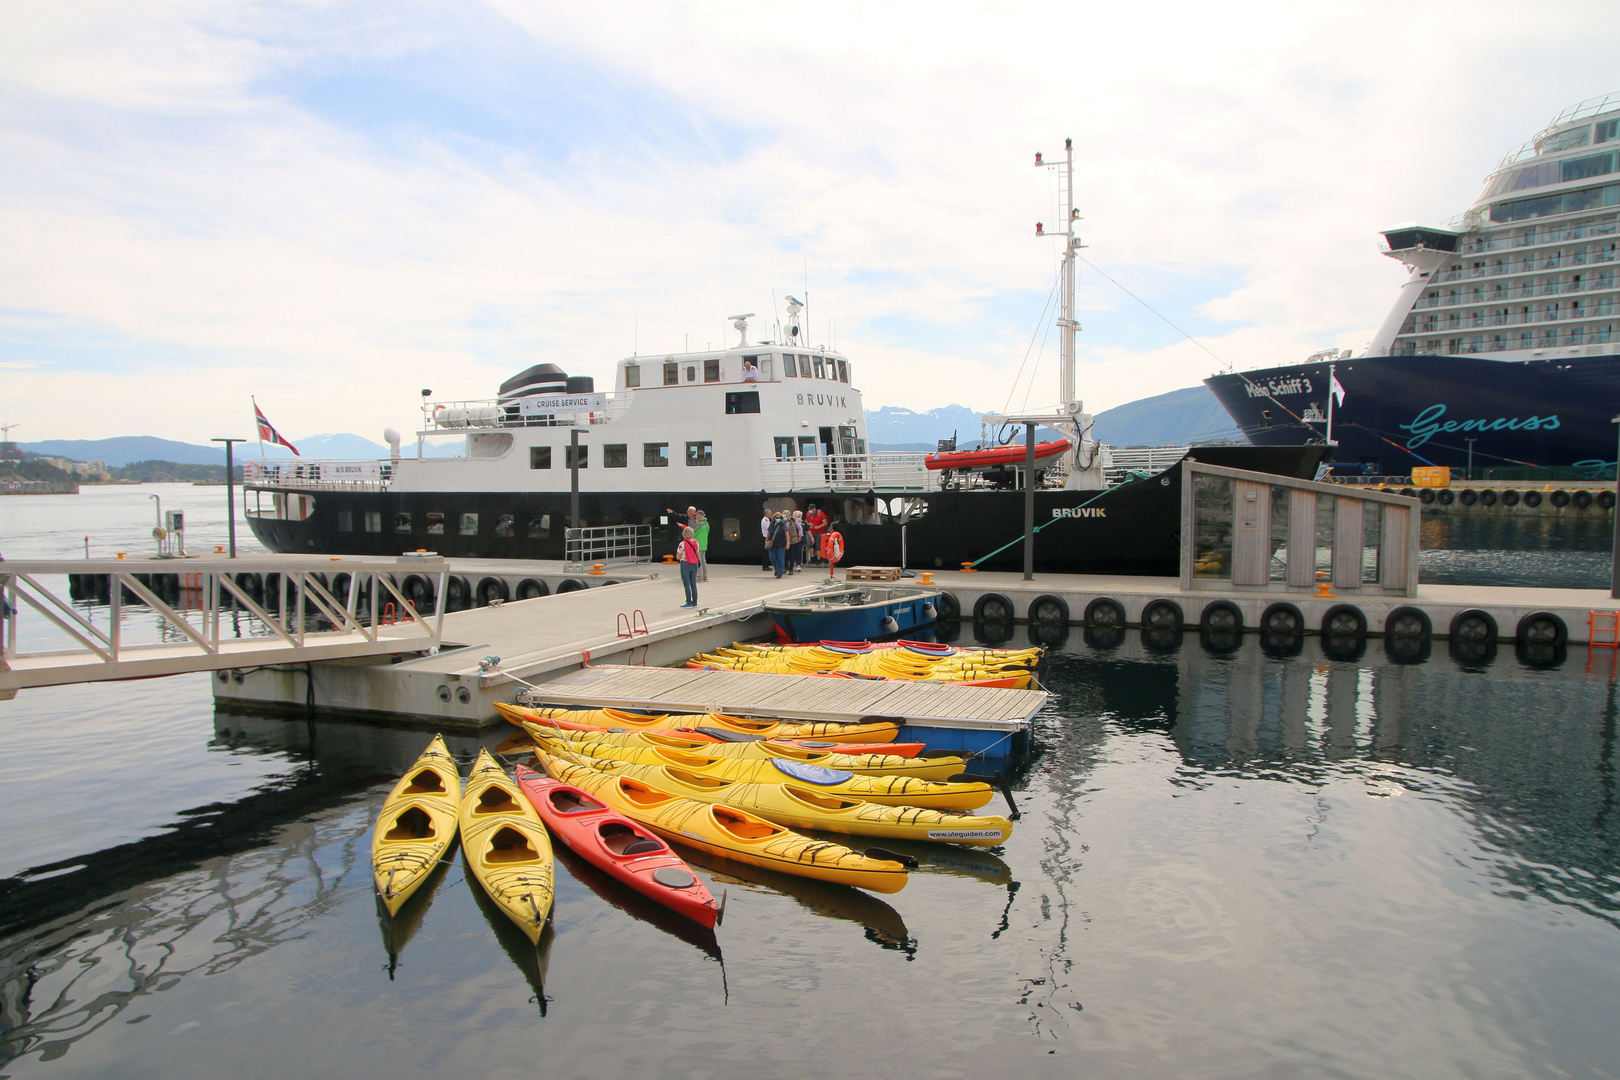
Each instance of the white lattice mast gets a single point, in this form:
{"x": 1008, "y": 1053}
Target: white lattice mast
{"x": 1085, "y": 466}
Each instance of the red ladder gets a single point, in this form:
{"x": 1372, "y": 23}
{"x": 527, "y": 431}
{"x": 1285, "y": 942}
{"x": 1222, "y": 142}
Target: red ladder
{"x": 1603, "y": 622}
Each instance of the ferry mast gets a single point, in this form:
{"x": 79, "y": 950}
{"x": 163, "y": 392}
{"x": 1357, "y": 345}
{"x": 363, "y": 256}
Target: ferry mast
{"x": 1085, "y": 457}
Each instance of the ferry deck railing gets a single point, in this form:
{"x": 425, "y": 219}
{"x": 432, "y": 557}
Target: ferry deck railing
{"x": 849, "y": 472}
{"x": 607, "y": 544}
{"x": 319, "y": 474}
{"x": 197, "y": 637}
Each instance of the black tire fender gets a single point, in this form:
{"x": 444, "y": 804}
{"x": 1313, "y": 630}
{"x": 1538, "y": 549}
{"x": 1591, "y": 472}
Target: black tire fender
{"x": 1344, "y": 620}
{"x": 1221, "y": 615}
{"x": 1288, "y": 619}
{"x": 993, "y": 608}
{"x": 1049, "y": 610}
{"x": 1535, "y": 627}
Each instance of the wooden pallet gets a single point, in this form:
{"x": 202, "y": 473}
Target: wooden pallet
{"x": 872, "y": 573}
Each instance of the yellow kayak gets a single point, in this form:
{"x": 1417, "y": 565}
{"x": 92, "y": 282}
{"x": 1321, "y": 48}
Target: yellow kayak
{"x": 735, "y": 834}
{"x": 801, "y": 806}
{"x": 932, "y": 768}
{"x": 417, "y": 825}
{"x": 888, "y": 790}
{"x": 507, "y": 846}
{"x": 880, "y": 732}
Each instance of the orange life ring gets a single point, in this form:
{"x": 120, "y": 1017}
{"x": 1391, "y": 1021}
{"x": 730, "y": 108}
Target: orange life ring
{"x": 832, "y": 546}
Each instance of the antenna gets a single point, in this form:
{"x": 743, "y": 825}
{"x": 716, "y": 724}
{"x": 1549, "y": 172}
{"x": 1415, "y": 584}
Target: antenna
{"x": 1071, "y": 247}
{"x": 739, "y": 323}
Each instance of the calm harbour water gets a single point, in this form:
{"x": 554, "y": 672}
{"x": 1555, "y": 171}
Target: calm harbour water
{"x": 1231, "y": 864}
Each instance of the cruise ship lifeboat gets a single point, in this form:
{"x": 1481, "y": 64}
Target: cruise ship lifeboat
{"x": 995, "y": 457}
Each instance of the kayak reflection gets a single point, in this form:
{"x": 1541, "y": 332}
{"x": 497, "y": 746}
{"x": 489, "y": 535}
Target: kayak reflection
{"x": 883, "y": 924}
{"x": 530, "y": 959}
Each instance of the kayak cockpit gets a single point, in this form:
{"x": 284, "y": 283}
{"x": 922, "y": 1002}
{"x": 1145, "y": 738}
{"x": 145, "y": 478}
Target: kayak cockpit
{"x": 743, "y": 826}
{"x": 496, "y": 800}
{"x": 413, "y": 824}
{"x": 508, "y": 845}
{"x": 621, "y": 839}
{"x": 426, "y": 782}
{"x": 571, "y": 801}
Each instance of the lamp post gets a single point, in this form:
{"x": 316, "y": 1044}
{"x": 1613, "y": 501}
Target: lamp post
{"x": 1029, "y": 502}
{"x": 230, "y": 490}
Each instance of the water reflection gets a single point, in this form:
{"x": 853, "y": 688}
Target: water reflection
{"x": 397, "y": 930}
{"x": 1523, "y": 746}
{"x": 883, "y": 925}
{"x": 528, "y": 957}
{"x": 634, "y": 904}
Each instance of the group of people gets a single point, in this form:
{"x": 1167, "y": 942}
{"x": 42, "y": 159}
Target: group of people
{"x": 792, "y": 541}
{"x": 791, "y": 538}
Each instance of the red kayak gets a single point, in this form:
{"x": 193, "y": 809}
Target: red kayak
{"x": 994, "y": 456}
{"x": 612, "y": 842}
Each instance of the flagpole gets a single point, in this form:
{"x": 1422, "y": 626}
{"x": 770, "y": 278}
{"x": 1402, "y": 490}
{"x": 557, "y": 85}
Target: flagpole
{"x": 1332, "y": 384}
{"x": 258, "y": 428}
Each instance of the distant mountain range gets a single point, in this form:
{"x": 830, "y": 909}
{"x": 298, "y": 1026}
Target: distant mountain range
{"x": 1174, "y": 419}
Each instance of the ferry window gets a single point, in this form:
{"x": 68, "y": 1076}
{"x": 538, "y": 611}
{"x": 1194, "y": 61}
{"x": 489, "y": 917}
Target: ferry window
{"x": 1606, "y": 130}
{"x": 503, "y": 525}
{"x": 540, "y": 527}
{"x": 469, "y": 524}
{"x": 700, "y": 453}
{"x": 402, "y": 523}
{"x": 435, "y": 524}
{"x": 742, "y": 401}
{"x": 691, "y": 373}
{"x": 788, "y": 366}
{"x": 821, "y": 369}
{"x": 539, "y": 457}
{"x": 584, "y": 457}
{"x": 711, "y": 370}
{"x": 784, "y": 447}
{"x": 632, "y": 375}
{"x": 655, "y": 455}
{"x": 374, "y": 521}
{"x": 345, "y": 521}
{"x": 807, "y": 446}
{"x": 672, "y": 374}
{"x": 615, "y": 455}
{"x": 731, "y": 529}
{"x": 765, "y": 368}
{"x": 843, "y": 371}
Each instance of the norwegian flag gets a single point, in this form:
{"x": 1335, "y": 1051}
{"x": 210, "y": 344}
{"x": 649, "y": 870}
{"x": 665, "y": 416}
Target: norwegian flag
{"x": 269, "y": 434}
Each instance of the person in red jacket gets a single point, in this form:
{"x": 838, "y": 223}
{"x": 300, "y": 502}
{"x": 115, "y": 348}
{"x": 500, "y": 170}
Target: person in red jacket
{"x": 816, "y": 519}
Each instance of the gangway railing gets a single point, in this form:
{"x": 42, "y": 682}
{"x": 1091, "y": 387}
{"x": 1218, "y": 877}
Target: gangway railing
{"x": 607, "y": 544}
{"x": 310, "y": 623}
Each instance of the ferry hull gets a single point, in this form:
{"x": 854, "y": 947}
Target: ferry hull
{"x": 1131, "y": 529}
{"x": 1405, "y": 411}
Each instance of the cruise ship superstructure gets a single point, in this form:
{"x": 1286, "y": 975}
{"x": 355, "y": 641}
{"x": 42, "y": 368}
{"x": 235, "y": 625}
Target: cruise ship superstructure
{"x": 1504, "y": 338}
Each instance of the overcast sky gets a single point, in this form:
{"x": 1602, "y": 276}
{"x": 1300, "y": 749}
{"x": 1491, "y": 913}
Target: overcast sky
{"x": 334, "y": 205}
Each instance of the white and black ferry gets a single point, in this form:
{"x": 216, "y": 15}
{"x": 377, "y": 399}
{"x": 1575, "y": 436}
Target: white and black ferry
{"x": 1503, "y": 347}
{"x": 736, "y": 432}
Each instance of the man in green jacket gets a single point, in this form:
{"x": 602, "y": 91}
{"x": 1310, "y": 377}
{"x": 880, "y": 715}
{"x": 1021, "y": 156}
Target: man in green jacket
{"x": 701, "y": 534}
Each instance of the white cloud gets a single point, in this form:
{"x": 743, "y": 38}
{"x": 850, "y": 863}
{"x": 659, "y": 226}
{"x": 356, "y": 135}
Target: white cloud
{"x": 192, "y": 221}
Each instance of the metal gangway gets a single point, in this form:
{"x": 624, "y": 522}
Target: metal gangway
{"x": 607, "y": 544}
{"x": 369, "y": 616}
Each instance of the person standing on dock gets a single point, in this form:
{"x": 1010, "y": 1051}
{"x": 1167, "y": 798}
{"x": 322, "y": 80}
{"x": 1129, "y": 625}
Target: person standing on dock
{"x": 701, "y": 531}
{"x": 815, "y": 519}
{"x": 796, "y": 539}
{"x": 765, "y": 535}
{"x": 687, "y": 555}
{"x": 776, "y": 544}
{"x": 698, "y": 522}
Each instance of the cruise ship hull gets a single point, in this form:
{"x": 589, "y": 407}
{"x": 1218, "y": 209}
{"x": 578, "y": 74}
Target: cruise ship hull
{"x": 1133, "y": 528}
{"x": 1399, "y": 412}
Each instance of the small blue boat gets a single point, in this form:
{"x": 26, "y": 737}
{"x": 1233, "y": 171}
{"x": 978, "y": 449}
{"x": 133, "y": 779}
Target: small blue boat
{"x": 858, "y": 611}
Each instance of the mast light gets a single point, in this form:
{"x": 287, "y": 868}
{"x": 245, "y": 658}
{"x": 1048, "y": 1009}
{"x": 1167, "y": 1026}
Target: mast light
{"x": 1040, "y": 229}
{"x": 1038, "y": 160}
